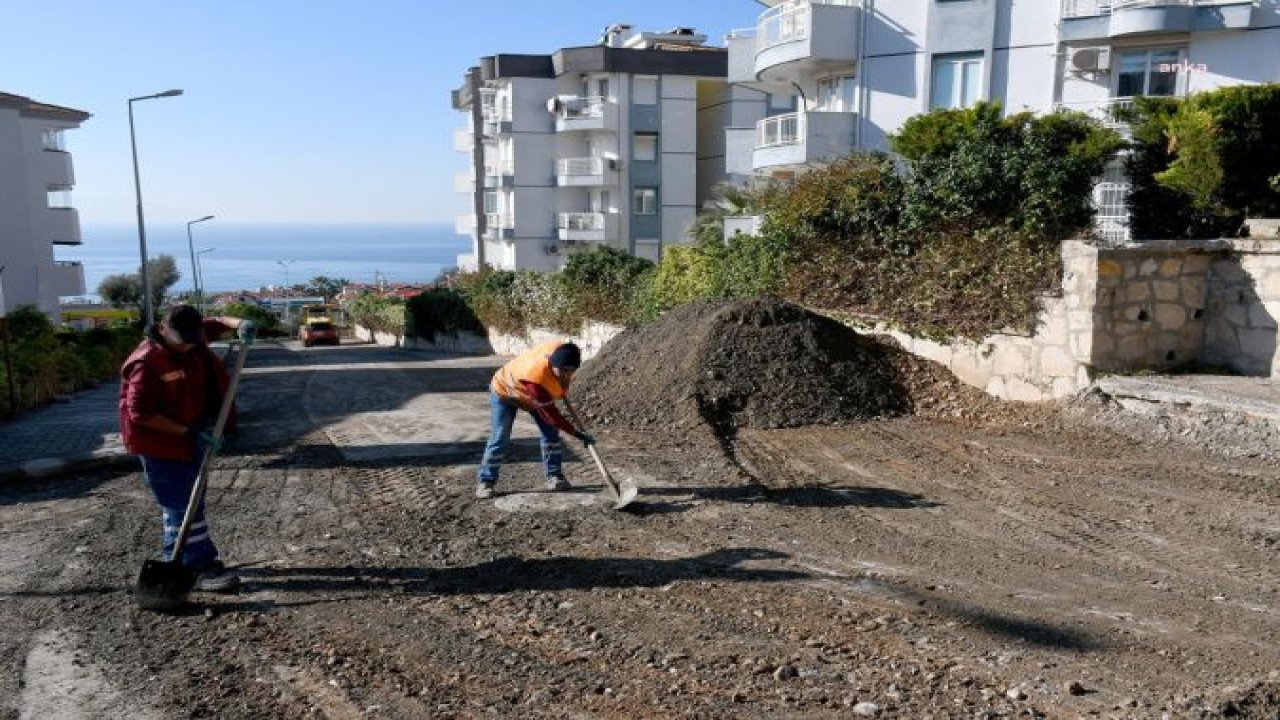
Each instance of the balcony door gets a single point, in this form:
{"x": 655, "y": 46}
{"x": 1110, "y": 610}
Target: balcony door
{"x": 835, "y": 94}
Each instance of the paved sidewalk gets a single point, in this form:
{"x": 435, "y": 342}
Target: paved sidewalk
{"x": 80, "y": 434}
{"x": 1255, "y": 397}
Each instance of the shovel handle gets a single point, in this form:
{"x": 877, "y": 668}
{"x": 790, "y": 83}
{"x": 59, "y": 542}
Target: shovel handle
{"x": 591, "y": 448}
{"x": 224, "y": 412}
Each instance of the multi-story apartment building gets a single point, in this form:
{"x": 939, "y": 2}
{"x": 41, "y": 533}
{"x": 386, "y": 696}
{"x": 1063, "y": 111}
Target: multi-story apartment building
{"x": 35, "y": 210}
{"x": 829, "y": 76}
{"x": 615, "y": 144}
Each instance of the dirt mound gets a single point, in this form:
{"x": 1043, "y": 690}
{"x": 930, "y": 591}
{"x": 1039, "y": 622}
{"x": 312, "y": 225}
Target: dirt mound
{"x": 758, "y": 364}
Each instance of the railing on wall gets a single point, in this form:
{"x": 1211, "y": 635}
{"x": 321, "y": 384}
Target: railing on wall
{"x": 1111, "y": 112}
{"x": 1090, "y": 8}
{"x": 780, "y": 130}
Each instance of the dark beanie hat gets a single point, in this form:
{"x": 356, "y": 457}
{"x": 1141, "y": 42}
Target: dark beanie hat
{"x": 567, "y": 356}
{"x": 187, "y": 322}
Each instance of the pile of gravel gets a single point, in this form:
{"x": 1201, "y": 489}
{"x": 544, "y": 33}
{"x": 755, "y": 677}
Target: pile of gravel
{"x": 756, "y": 364}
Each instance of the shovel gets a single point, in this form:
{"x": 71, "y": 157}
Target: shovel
{"x": 164, "y": 584}
{"x": 620, "y": 493}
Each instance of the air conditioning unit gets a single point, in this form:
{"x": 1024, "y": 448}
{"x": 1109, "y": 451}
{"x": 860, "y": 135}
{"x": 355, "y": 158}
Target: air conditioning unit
{"x": 551, "y": 249}
{"x": 1091, "y": 59}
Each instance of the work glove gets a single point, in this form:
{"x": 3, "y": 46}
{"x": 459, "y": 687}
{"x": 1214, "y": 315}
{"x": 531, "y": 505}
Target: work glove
{"x": 204, "y": 440}
{"x": 247, "y": 331}
{"x": 587, "y": 438}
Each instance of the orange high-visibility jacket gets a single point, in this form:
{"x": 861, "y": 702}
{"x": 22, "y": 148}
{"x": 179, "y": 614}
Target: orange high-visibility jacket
{"x": 529, "y": 381}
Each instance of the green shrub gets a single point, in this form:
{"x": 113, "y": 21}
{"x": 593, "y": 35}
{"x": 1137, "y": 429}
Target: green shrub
{"x": 48, "y": 362}
{"x": 378, "y": 313}
{"x": 440, "y": 311}
{"x": 601, "y": 283}
{"x": 266, "y": 321}
{"x": 1202, "y": 164}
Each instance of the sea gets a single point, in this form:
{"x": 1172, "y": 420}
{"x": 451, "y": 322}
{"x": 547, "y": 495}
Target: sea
{"x": 260, "y": 257}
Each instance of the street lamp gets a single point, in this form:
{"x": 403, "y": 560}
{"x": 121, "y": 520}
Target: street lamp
{"x": 148, "y": 312}
{"x": 195, "y": 270}
{"x": 285, "y": 264}
{"x": 200, "y": 274}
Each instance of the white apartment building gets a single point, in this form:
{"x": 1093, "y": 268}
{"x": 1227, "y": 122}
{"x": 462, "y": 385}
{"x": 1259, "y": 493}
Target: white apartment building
{"x": 829, "y": 76}
{"x": 36, "y": 177}
{"x": 611, "y": 144}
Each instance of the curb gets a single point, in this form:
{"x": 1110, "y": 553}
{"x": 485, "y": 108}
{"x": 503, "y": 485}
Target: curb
{"x": 46, "y": 468}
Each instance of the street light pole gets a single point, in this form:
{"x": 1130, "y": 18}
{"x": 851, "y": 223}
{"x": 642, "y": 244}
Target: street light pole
{"x": 200, "y": 274}
{"x": 147, "y": 311}
{"x": 195, "y": 271}
{"x": 285, "y": 264}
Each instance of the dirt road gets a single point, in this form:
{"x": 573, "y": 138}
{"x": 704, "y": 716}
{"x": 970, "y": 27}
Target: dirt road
{"x": 1021, "y": 565}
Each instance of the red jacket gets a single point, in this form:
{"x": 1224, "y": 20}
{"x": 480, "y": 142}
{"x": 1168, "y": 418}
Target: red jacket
{"x": 185, "y": 387}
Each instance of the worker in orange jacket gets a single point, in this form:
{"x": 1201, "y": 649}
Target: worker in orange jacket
{"x": 532, "y": 381}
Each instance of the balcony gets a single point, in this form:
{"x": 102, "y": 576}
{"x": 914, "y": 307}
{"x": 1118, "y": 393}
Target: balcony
{"x": 64, "y": 226}
{"x": 463, "y": 139}
{"x": 587, "y": 226}
{"x": 464, "y": 182}
{"x": 1096, "y": 19}
{"x": 798, "y": 40}
{"x": 587, "y": 172}
{"x": 501, "y": 175}
{"x": 68, "y": 278}
{"x": 56, "y": 170}
{"x": 499, "y": 226}
{"x": 798, "y": 140}
{"x": 1112, "y": 112}
{"x": 575, "y": 113}
{"x": 465, "y": 224}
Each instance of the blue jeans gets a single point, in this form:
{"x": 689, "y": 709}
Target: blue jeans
{"x": 502, "y": 415}
{"x": 171, "y": 482}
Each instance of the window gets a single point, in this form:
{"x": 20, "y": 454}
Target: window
{"x": 51, "y": 138}
{"x": 645, "y": 90}
{"x": 644, "y": 146}
{"x": 835, "y": 94}
{"x": 1148, "y": 72}
{"x": 645, "y": 201}
{"x": 957, "y": 80}
{"x": 491, "y": 202}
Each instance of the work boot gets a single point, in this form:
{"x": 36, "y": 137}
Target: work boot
{"x": 557, "y": 482}
{"x": 216, "y": 578}
{"x": 484, "y": 490}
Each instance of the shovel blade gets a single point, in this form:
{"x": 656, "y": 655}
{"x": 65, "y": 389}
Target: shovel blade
{"x": 626, "y": 492}
{"x": 163, "y": 585}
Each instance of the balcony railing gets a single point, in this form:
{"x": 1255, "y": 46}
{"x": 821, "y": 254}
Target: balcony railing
{"x": 582, "y": 221}
{"x": 499, "y": 221}
{"x": 1112, "y": 112}
{"x": 583, "y": 166}
{"x": 780, "y": 130}
{"x": 1092, "y": 8}
{"x": 585, "y": 107}
{"x": 789, "y": 21}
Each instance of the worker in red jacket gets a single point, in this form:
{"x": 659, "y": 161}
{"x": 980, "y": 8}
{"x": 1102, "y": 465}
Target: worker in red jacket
{"x": 532, "y": 381}
{"x": 172, "y": 387}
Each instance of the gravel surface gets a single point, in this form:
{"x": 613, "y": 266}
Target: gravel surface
{"x": 971, "y": 560}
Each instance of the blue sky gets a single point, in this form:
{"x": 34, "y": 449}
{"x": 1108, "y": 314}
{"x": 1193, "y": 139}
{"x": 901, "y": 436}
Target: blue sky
{"x": 295, "y": 111}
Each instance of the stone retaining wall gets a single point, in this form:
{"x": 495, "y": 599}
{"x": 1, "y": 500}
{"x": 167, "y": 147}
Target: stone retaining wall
{"x": 1151, "y": 305}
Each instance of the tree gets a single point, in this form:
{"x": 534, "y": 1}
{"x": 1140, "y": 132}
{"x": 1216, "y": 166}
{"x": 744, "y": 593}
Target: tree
{"x": 121, "y": 290}
{"x": 325, "y": 286}
{"x": 126, "y": 290}
{"x": 163, "y": 274}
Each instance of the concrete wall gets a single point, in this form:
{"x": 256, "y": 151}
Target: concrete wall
{"x": 591, "y": 338}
